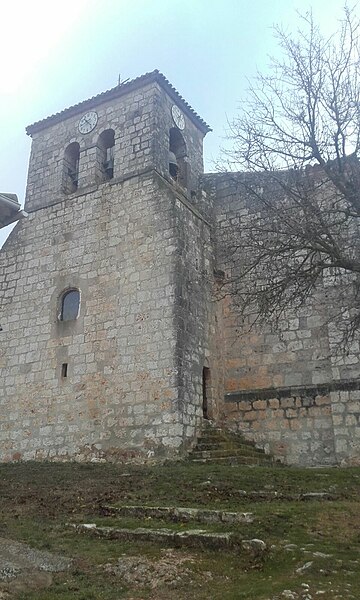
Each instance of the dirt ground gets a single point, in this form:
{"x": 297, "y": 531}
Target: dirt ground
{"x": 22, "y": 566}
{"x": 314, "y": 544}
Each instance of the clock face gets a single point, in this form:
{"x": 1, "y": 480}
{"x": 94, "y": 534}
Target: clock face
{"x": 178, "y": 117}
{"x": 88, "y": 122}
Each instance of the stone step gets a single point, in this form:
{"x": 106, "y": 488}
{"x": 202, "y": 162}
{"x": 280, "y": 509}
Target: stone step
{"x": 215, "y": 445}
{"x": 201, "y": 447}
{"x": 232, "y": 452}
{"x": 233, "y": 460}
{"x": 237, "y": 441}
{"x": 178, "y": 514}
{"x": 193, "y": 538}
{"x": 218, "y": 433}
{"x": 222, "y": 437}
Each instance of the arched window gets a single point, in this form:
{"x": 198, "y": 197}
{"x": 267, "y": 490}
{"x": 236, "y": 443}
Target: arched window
{"x": 71, "y": 168}
{"x": 69, "y": 305}
{"x": 178, "y": 165}
{"x": 106, "y": 153}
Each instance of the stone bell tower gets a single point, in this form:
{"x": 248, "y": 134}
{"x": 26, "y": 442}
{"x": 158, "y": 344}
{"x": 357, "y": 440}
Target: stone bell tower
{"x": 104, "y": 287}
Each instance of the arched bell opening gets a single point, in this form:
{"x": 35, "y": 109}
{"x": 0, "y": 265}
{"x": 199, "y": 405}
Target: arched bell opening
{"x": 178, "y": 165}
{"x": 106, "y": 144}
{"x": 71, "y": 168}
{"x": 173, "y": 166}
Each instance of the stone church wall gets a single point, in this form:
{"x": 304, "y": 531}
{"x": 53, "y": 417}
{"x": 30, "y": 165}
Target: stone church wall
{"x": 121, "y": 388}
{"x": 286, "y": 391}
{"x": 193, "y": 308}
{"x": 156, "y": 346}
{"x": 136, "y": 248}
{"x": 303, "y": 426}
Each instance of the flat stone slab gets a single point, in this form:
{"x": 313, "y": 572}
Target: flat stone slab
{"x": 193, "y": 538}
{"x": 182, "y": 515}
{"x": 273, "y": 495}
{"x": 318, "y": 496}
{"x": 17, "y": 558}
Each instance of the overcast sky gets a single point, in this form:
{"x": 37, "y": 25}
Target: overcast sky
{"x": 57, "y": 54}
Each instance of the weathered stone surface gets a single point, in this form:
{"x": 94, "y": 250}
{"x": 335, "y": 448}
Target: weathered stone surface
{"x": 317, "y": 496}
{"x": 182, "y": 514}
{"x": 171, "y": 569}
{"x": 304, "y": 567}
{"x": 151, "y": 352}
{"x": 17, "y": 559}
{"x": 138, "y": 249}
{"x": 255, "y": 546}
{"x": 188, "y": 538}
{"x": 296, "y": 369}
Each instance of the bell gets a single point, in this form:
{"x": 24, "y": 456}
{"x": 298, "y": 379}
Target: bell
{"x": 173, "y": 166}
{"x": 172, "y": 159}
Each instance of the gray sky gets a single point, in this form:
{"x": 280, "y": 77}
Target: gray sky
{"x": 57, "y": 54}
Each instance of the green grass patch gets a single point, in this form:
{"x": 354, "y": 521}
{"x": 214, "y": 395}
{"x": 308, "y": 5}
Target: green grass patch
{"x": 37, "y": 500}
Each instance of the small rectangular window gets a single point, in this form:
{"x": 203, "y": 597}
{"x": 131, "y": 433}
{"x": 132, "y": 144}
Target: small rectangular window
{"x": 64, "y": 370}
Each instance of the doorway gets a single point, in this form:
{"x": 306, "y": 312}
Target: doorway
{"x": 206, "y": 392}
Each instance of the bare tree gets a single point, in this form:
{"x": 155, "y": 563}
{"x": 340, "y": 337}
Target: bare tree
{"x": 296, "y": 144}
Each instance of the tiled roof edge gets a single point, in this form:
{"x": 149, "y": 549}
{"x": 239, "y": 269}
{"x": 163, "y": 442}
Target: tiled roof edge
{"x": 119, "y": 90}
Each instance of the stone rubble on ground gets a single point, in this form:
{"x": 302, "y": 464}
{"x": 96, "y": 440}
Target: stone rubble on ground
{"x": 16, "y": 558}
{"x": 170, "y": 569}
{"x": 305, "y": 567}
{"x": 307, "y": 594}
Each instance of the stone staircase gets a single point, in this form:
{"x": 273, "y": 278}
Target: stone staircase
{"x": 218, "y": 446}
{"x": 177, "y": 527}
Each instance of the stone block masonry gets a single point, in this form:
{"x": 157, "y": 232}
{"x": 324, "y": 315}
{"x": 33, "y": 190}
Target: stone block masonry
{"x": 307, "y": 426}
{"x": 282, "y": 388}
{"x": 121, "y": 380}
{"x": 122, "y": 217}
{"x": 118, "y": 382}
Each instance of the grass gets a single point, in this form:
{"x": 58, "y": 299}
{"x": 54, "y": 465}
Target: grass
{"x": 37, "y": 500}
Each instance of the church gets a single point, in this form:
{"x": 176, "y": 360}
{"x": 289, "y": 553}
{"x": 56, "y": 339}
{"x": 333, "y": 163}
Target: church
{"x": 114, "y": 344}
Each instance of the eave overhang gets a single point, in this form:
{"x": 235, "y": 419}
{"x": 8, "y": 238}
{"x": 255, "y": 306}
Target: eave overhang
{"x": 10, "y": 210}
